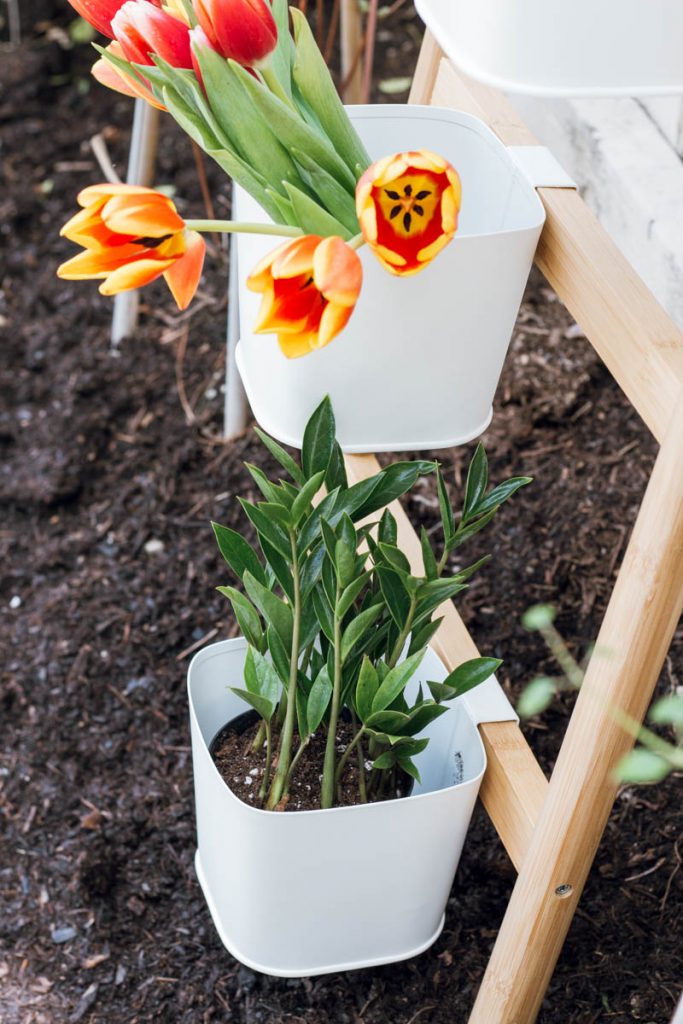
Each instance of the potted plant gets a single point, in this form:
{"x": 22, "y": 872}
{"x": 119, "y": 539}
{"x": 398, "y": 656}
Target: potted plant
{"x": 391, "y": 216}
{"x": 330, "y": 825}
{"x": 627, "y": 47}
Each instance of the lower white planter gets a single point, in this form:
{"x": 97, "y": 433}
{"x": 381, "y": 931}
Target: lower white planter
{"x": 557, "y": 48}
{"x": 418, "y": 364}
{"x": 313, "y": 892}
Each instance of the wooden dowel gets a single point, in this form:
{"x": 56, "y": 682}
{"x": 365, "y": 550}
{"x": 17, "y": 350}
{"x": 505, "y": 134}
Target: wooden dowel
{"x": 514, "y": 785}
{"x": 631, "y": 647}
{"x": 351, "y": 44}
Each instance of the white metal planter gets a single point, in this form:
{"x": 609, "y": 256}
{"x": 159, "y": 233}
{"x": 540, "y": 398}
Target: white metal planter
{"x": 556, "y": 48}
{"x": 418, "y": 364}
{"x": 312, "y": 892}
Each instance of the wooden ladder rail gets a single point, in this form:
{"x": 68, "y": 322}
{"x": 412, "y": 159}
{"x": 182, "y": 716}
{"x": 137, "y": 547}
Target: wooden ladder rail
{"x": 552, "y": 831}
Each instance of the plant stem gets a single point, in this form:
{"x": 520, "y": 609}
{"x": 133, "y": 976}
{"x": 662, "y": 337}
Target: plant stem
{"x": 356, "y": 242}
{"x": 279, "y": 786}
{"x": 266, "y": 774}
{"x": 260, "y": 737}
{"x": 361, "y": 774}
{"x": 403, "y": 635}
{"x": 243, "y": 227}
{"x": 295, "y": 760}
{"x": 327, "y": 792}
{"x": 347, "y": 753}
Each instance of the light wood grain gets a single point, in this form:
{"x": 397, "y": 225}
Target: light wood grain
{"x": 351, "y": 43}
{"x": 634, "y": 336}
{"x": 514, "y": 785}
{"x": 632, "y": 644}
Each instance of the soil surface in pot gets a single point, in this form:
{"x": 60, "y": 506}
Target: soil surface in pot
{"x": 242, "y": 768}
{"x": 110, "y": 468}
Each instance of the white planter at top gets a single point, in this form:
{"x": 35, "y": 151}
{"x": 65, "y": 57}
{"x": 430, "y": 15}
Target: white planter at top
{"x": 418, "y": 364}
{"x": 557, "y": 48}
{"x": 311, "y": 892}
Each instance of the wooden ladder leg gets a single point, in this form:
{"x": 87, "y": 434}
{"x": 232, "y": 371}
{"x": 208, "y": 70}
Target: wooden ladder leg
{"x": 633, "y": 642}
{"x": 351, "y": 40}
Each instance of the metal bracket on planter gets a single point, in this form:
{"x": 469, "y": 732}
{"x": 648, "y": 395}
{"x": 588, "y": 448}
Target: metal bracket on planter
{"x": 488, "y": 703}
{"x": 540, "y": 168}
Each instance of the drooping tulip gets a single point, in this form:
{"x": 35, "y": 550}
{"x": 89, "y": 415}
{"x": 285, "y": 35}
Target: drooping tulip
{"x": 407, "y": 206}
{"x": 99, "y": 13}
{"x": 131, "y": 236}
{"x": 242, "y": 30}
{"x": 108, "y": 74}
{"x": 310, "y": 286}
{"x": 142, "y": 29}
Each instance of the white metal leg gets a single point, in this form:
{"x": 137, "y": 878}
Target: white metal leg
{"x": 141, "y": 160}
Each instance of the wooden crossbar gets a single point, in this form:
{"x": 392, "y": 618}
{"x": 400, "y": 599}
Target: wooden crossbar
{"x": 552, "y": 831}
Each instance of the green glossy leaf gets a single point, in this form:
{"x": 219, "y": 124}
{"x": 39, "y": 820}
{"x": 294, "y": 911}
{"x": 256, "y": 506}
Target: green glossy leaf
{"x": 312, "y": 568}
{"x": 302, "y": 503}
{"x": 280, "y": 569}
{"x": 275, "y": 612}
{"x": 422, "y": 636}
{"x": 336, "y": 471}
{"x": 238, "y": 553}
{"x": 477, "y": 482}
{"x": 471, "y": 673}
{"x": 428, "y": 559}
{"x": 409, "y": 768}
{"x": 267, "y": 680}
{"x": 246, "y": 615}
{"x": 387, "y": 532}
{"x": 267, "y": 489}
{"x": 396, "y": 681}
{"x": 357, "y": 629}
{"x": 388, "y": 721}
{"x": 345, "y": 563}
{"x": 318, "y": 699}
{"x": 395, "y": 559}
{"x": 500, "y": 494}
{"x": 279, "y": 655}
{"x": 263, "y": 519}
{"x": 391, "y": 483}
{"x": 350, "y": 594}
{"x": 318, "y": 440}
{"x": 283, "y": 457}
{"x": 465, "y": 532}
{"x": 395, "y": 594}
{"x": 447, "y": 517}
{"x": 323, "y": 612}
{"x": 366, "y": 688}
{"x": 260, "y": 704}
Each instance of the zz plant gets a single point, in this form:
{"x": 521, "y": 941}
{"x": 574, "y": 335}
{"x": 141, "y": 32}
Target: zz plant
{"x": 336, "y": 619}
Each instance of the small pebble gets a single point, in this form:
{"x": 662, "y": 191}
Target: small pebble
{"x": 248, "y": 781}
{"x": 154, "y": 546}
{"x": 254, "y": 771}
{"x": 15, "y": 602}
{"x": 60, "y": 935}
{"x": 210, "y": 393}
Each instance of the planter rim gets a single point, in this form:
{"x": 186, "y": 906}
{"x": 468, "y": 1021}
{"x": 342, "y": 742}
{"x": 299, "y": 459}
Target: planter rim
{"x": 239, "y": 643}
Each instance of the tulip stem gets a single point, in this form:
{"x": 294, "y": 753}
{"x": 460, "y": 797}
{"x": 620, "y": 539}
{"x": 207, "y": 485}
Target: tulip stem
{"x": 243, "y": 227}
{"x": 356, "y": 242}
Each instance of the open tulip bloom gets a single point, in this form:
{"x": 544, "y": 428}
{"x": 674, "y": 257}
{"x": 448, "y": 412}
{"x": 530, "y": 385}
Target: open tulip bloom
{"x": 261, "y": 102}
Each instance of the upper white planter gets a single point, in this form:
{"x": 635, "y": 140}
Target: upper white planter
{"x": 556, "y": 48}
{"x": 419, "y": 362}
{"x": 318, "y": 891}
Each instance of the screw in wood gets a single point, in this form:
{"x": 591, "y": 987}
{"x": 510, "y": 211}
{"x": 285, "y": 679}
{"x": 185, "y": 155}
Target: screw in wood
{"x": 563, "y": 890}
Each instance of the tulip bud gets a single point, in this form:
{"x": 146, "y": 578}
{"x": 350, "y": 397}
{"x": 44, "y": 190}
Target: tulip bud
{"x": 142, "y": 29}
{"x": 99, "y": 13}
{"x": 242, "y": 30}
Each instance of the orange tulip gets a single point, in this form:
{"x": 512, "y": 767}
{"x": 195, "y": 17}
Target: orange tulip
{"x": 243, "y": 30}
{"x": 132, "y": 235}
{"x": 142, "y": 29}
{"x": 130, "y": 85}
{"x": 408, "y": 207}
{"x": 310, "y": 286}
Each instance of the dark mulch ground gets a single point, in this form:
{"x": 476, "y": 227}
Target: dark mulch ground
{"x": 102, "y": 919}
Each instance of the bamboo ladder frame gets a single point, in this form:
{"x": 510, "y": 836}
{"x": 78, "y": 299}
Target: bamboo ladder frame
{"x": 551, "y": 830}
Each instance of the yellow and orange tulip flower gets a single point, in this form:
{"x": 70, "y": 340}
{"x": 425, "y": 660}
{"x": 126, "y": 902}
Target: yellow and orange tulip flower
{"x": 408, "y": 206}
{"x": 130, "y": 237}
{"x": 310, "y": 286}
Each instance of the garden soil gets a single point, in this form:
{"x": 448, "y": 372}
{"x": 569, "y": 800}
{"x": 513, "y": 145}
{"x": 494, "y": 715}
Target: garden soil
{"x": 112, "y": 466}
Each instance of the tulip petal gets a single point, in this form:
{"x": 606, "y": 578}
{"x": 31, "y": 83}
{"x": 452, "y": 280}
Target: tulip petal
{"x": 94, "y": 264}
{"x": 106, "y": 189}
{"x": 333, "y": 320}
{"x": 296, "y": 258}
{"x": 183, "y": 276}
{"x": 337, "y": 271}
{"x": 295, "y": 346}
{"x": 149, "y": 217}
{"x": 134, "y": 275}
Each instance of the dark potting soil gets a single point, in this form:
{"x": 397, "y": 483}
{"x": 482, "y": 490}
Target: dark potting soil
{"x": 242, "y": 768}
{"x": 111, "y": 467}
